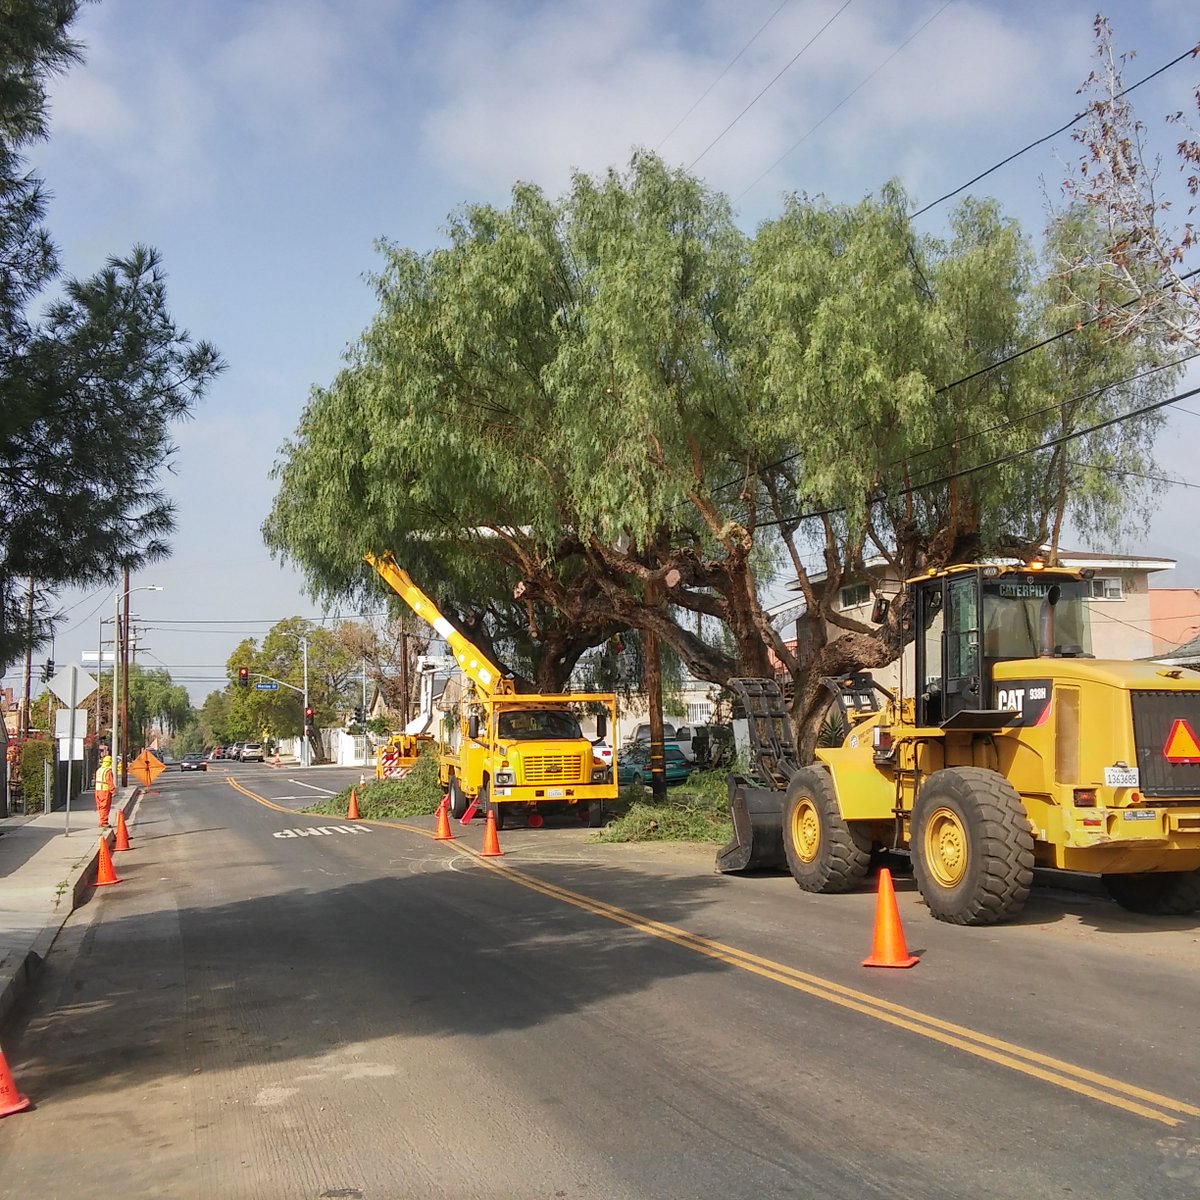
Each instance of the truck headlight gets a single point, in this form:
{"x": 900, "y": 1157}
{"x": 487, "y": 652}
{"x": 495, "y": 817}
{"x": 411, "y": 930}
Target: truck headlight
{"x": 600, "y": 775}
{"x": 505, "y": 778}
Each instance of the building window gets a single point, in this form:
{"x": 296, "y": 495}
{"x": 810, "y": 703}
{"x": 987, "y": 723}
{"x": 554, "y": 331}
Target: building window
{"x": 1107, "y": 587}
{"x": 854, "y": 596}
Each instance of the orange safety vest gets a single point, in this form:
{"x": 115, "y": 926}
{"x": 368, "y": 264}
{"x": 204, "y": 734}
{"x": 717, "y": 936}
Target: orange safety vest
{"x": 104, "y": 779}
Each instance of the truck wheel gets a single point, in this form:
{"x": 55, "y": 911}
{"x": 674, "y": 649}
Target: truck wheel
{"x": 1158, "y": 894}
{"x": 972, "y": 847}
{"x": 824, "y": 854}
{"x": 458, "y": 798}
{"x": 487, "y": 805}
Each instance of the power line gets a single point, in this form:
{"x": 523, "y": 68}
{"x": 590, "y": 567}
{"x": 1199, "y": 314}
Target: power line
{"x": 996, "y": 462}
{"x": 728, "y": 67}
{"x": 770, "y": 85}
{"x": 1183, "y": 483}
{"x": 1061, "y": 129}
{"x": 787, "y": 153}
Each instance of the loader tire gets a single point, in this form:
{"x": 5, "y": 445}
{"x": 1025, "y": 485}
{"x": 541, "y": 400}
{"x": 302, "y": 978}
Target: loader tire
{"x": 1157, "y": 894}
{"x": 458, "y": 798}
{"x": 823, "y": 852}
{"x": 972, "y": 847}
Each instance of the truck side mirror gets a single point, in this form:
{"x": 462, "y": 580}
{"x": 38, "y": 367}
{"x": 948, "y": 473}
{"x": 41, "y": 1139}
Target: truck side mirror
{"x": 879, "y": 610}
{"x": 473, "y": 727}
{"x": 601, "y": 725}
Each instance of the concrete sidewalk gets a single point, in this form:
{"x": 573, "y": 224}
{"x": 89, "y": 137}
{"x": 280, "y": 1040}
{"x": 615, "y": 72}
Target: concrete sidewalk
{"x": 45, "y": 874}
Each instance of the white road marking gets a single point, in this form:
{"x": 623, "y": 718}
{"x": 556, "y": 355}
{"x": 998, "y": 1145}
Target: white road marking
{"x": 312, "y": 786}
{"x": 320, "y": 831}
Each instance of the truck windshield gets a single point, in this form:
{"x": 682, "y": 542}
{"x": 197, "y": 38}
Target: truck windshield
{"x": 1012, "y": 614}
{"x": 538, "y": 724}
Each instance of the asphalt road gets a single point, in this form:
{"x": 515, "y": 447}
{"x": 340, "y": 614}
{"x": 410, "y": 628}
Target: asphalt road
{"x": 258, "y": 1011}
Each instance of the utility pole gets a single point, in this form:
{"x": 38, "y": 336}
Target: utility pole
{"x": 125, "y": 690}
{"x": 24, "y": 722}
{"x": 305, "y": 749}
{"x": 405, "y": 699}
{"x": 653, "y": 668}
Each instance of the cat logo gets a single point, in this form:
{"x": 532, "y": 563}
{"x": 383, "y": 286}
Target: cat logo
{"x": 1181, "y": 746}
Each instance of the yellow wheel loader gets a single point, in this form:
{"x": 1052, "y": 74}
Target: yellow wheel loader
{"x": 1008, "y": 747}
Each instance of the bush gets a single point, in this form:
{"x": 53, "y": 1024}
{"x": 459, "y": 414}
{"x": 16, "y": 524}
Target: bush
{"x": 696, "y": 811}
{"x": 679, "y": 818}
{"x": 34, "y": 756}
{"x": 416, "y": 795}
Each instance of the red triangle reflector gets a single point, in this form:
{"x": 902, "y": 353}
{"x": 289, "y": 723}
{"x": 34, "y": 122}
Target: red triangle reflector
{"x": 1182, "y": 746}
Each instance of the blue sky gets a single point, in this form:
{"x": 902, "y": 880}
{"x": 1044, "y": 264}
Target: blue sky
{"x": 264, "y": 145}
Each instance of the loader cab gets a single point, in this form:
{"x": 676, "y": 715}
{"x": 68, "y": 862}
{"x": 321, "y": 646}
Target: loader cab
{"x": 970, "y": 618}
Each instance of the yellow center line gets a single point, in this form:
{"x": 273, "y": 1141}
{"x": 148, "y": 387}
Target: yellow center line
{"x": 1070, "y": 1076}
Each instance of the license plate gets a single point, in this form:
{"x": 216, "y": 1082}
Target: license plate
{"x": 555, "y": 793}
{"x": 1121, "y": 776}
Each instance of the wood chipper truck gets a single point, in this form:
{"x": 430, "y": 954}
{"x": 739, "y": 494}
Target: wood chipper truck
{"x": 1016, "y": 748}
{"x": 398, "y": 755}
{"x": 513, "y": 753}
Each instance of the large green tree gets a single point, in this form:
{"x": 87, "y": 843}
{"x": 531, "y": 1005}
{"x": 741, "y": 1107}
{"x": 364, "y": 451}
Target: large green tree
{"x": 93, "y": 372}
{"x": 617, "y": 410}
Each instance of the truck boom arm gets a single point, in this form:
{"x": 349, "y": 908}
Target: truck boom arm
{"x": 474, "y": 663}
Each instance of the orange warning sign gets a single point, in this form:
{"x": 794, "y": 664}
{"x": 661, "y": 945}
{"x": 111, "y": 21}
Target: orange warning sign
{"x": 145, "y": 768}
{"x": 1181, "y": 746}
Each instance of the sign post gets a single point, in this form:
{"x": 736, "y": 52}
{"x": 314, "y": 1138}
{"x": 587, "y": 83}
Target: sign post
{"x": 71, "y": 685}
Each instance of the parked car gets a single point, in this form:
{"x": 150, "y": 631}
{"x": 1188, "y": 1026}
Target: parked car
{"x": 234, "y": 751}
{"x": 251, "y": 752}
{"x": 193, "y": 762}
{"x": 603, "y": 751}
{"x": 705, "y": 745}
{"x": 642, "y": 732}
{"x": 634, "y": 765}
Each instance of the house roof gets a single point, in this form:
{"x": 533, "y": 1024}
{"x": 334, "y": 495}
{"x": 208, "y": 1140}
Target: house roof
{"x": 1079, "y": 559}
{"x": 1183, "y": 655}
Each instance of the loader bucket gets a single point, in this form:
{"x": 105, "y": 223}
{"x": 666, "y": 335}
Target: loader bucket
{"x": 757, "y": 843}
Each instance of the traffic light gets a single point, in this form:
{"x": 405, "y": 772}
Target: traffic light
{"x": 243, "y": 676}
{"x": 358, "y": 714}
{"x": 48, "y": 671}
{"x": 309, "y": 714}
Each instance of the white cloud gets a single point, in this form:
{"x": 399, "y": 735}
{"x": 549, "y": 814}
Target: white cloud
{"x": 531, "y": 95}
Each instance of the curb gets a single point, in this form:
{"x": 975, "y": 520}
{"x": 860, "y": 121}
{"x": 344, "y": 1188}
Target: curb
{"x": 79, "y": 889}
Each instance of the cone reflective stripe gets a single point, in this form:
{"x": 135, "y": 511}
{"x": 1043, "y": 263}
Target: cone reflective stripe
{"x": 352, "y": 811}
{"x": 11, "y": 1101}
{"x": 104, "y": 872}
{"x": 443, "y": 833}
{"x": 491, "y": 843}
{"x": 122, "y": 832}
{"x": 889, "y": 948}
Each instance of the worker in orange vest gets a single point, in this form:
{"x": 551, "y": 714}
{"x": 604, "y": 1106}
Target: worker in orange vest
{"x": 106, "y": 785}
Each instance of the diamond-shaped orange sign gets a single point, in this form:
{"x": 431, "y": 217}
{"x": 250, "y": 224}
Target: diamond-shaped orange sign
{"x": 1182, "y": 746}
{"x": 146, "y": 768}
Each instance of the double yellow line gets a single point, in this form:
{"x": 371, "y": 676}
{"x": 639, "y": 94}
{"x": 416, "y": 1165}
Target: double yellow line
{"x": 1115, "y": 1092}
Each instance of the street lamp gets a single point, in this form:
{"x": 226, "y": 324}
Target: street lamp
{"x": 117, "y": 598}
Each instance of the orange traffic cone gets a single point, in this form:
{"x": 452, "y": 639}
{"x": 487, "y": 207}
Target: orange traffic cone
{"x": 122, "y": 832}
{"x": 889, "y": 949}
{"x": 11, "y": 1101}
{"x": 443, "y": 833}
{"x": 491, "y": 843}
{"x": 352, "y": 811}
{"x": 104, "y": 872}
